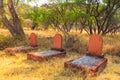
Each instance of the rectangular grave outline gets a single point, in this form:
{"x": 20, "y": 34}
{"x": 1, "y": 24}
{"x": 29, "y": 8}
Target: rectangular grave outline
{"x": 31, "y": 56}
{"x": 14, "y": 51}
{"x": 92, "y": 71}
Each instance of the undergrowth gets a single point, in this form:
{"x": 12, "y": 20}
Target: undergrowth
{"x": 9, "y": 41}
{"x": 19, "y": 68}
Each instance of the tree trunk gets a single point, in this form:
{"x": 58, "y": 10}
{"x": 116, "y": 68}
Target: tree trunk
{"x": 15, "y": 26}
{"x": 16, "y": 20}
{"x": 8, "y": 25}
{"x": 90, "y": 28}
{"x": 1, "y": 8}
{"x": 5, "y": 20}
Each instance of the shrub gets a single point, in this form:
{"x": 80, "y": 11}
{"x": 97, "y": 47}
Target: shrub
{"x": 113, "y": 50}
{"x": 73, "y": 43}
{"x": 5, "y": 41}
{"x": 9, "y": 41}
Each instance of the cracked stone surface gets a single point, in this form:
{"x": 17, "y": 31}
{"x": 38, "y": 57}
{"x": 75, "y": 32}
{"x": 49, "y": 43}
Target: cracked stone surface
{"x": 47, "y": 53}
{"x": 22, "y": 47}
{"x": 88, "y": 61}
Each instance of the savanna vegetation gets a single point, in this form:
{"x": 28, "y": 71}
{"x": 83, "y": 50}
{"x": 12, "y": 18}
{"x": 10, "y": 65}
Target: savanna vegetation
{"x": 76, "y": 20}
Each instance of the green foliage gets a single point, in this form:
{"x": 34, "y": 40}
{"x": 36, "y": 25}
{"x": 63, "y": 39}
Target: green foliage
{"x": 64, "y": 15}
{"x": 39, "y": 15}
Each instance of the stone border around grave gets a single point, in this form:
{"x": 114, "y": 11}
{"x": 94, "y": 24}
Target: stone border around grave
{"x": 13, "y": 51}
{"x": 44, "y": 58}
{"x": 92, "y": 71}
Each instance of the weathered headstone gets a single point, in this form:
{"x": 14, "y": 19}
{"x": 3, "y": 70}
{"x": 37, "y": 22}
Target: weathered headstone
{"x": 30, "y": 47}
{"x": 94, "y": 61}
{"x": 56, "y": 51}
{"x": 95, "y": 45}
{"x": 33, "y": 40}
{"x": 57, "y": 41}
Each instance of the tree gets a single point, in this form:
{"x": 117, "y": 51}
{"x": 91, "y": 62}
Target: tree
{"x": 102, "y": 16}
{"x": 95, "y": 16}
{"x": 39, "y": 15}
{"x": 62, "y": 16}
{"x": 14, "y": 26}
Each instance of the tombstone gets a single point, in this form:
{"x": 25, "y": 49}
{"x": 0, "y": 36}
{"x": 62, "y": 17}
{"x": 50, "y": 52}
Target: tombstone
{"x": 93, "y": 61}
{"x": 56, "y": 51}
{"x": 32, "y": 46}
{"x": 33, "y": 40}
{"x": 95, "y": 45}
{"x": 57, "y": 43}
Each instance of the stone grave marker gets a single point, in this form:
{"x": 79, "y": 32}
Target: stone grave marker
{"x": 55, "y": 51}
{"x": 32, "y": 46}
{"x": 93, "y": 61}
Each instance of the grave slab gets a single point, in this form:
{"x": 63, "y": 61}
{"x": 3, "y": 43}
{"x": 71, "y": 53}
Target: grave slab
{"x": 45, "y": 55}
{"x": 93, "y": 62}
{"x": 20, "y": 49}
{"x": 90, "y": 63}
{"x": 56, "y": 51}
{"x": 32, "y": 46}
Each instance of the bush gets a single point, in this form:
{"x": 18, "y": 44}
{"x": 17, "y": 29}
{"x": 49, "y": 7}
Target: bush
{"x": 9, "y": 41}
{"x": 113, "y": 50}
{"x": 73, "y": 43}
{"x": 28, "y": 23}
{"x": 5, "y": 41}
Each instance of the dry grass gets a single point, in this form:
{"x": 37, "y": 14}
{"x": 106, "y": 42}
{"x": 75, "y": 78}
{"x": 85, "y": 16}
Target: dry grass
{"x": 19, "y": 68}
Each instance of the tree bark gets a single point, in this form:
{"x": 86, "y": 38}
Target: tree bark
{"x": 16, "y": 20}
{"x": 1, "y": 8}
{"x": 8, "y": 24}
{"x": 15, "y": 27}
